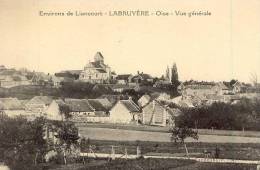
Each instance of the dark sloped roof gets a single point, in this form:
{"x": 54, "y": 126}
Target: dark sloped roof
{"x": 96, "y": 105}
{"x": 104, "y": 102}
{"x": 79, "y": 105}
{"x": 113, "y": 98}
{"x": 101, "y": 70}
{"x": 130, "y": 105}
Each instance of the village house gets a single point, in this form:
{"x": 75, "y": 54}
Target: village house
{"x": 81, "y": 110}
{"x": 157, "y": 114}
{"x": 11, "y": 107}
{"x": 53, "y": 112}
{"x": 113, "y": 98}
{"x": 38, "y": 105}
{"x": 141, "y": 78}
{"x": 11, "y": 78}
{"x": 97, "y": 71}
{"x": 41, "y": 79}
{"x": 106, "y": 104}
{"x": 72, "y": 74}
{"x": 125, "y": 112}
{"x": 221, "y": 89}
{"x": 123, "y": 78}
{"x": 239, "y": 88}
{"x": 58, "y": 81}
{"x": 185, "y": 102}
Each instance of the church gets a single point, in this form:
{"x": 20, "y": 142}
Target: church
{"x": 97, "y": 71}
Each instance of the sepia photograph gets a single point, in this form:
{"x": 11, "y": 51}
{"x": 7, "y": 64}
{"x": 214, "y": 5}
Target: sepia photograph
{"x": 130, "y": 85}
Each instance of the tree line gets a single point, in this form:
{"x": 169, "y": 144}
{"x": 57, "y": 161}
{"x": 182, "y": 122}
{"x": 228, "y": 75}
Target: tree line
{"x": 244, "y": 115}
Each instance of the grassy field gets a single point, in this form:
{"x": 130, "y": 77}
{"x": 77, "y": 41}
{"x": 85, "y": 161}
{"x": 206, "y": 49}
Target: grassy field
{"x": 133, "y": 135}
{"x": 227, "y": 151}
{"x": 166, "y": 129}
{"x": 153, "y": 164}
{"x": 120, "y": 164}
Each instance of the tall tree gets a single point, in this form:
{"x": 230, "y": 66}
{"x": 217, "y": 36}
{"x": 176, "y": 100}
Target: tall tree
{"x": 167, "y": 73}
{"x": 174, "y": 75}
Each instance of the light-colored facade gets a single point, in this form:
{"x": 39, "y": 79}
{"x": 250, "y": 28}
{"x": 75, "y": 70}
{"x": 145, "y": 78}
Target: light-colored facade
{"x": 144, "y": 100}
{"x": 97, "y": 71}
{"x": 125, "y": 112}
{"x": 158, "y": 115}
{"x": 53, "y": 111}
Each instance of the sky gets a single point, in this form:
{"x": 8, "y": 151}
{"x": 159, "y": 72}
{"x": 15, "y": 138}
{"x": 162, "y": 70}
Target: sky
{"x": 220, "y": 47}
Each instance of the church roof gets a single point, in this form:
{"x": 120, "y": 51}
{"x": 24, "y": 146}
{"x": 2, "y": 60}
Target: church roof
{"x": 98, "y": 55}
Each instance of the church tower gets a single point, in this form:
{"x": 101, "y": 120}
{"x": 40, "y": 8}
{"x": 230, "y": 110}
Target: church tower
{"x": 99, "y": 58}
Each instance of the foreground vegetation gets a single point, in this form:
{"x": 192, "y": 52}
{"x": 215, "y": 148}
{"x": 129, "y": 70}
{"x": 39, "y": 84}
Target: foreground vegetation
{"x": 152, "y": 164}
{"x": 226, "y": 151}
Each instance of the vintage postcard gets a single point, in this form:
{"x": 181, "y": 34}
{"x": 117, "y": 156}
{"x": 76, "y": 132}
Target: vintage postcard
{"x": 138, "y": 85}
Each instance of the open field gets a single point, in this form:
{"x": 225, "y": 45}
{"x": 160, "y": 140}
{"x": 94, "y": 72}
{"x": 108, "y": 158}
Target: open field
{"x": 166, "y": 129}
{"x": 133, "y": 135}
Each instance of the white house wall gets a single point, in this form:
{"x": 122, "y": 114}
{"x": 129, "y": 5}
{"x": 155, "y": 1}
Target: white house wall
{"x": 119, "y": 114}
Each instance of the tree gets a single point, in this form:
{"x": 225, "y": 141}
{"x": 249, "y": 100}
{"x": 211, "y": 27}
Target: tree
{"x": 180, "y": 131}
{"x": 68, "y": 136}
{"x": 232, "y": 82}
{"x": 179, "y": 134}
{"x": 23, "y": 141}
{"x": 65, "y": 110}
{"x": 253, "y": 78}
{"x": 174, "y": 75}
{"x": 167, "y": 74}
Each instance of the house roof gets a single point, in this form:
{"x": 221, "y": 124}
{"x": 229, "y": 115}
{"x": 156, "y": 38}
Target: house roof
{"x": 85, "y": 105}
{"x": 130, "y": 105}
{"x": 40, "y": 100}
{"x": 123, "y": 76}
{"x": 101, "y": 70}
{"x": 98, "y": 55}
{"x": 143, "y": 76}
{"x": 222, "y": 86}
{"x": 113, "y": 98}
{"x": 60, "y": 102}
{"x": 10, "y": 104}
{"x": 104, "y": 102}
{"x": 79, "y": 105}
{"x": 184, "y": 102}
{"x": 96, "y": 104}
{"x": 71, "y": 71}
